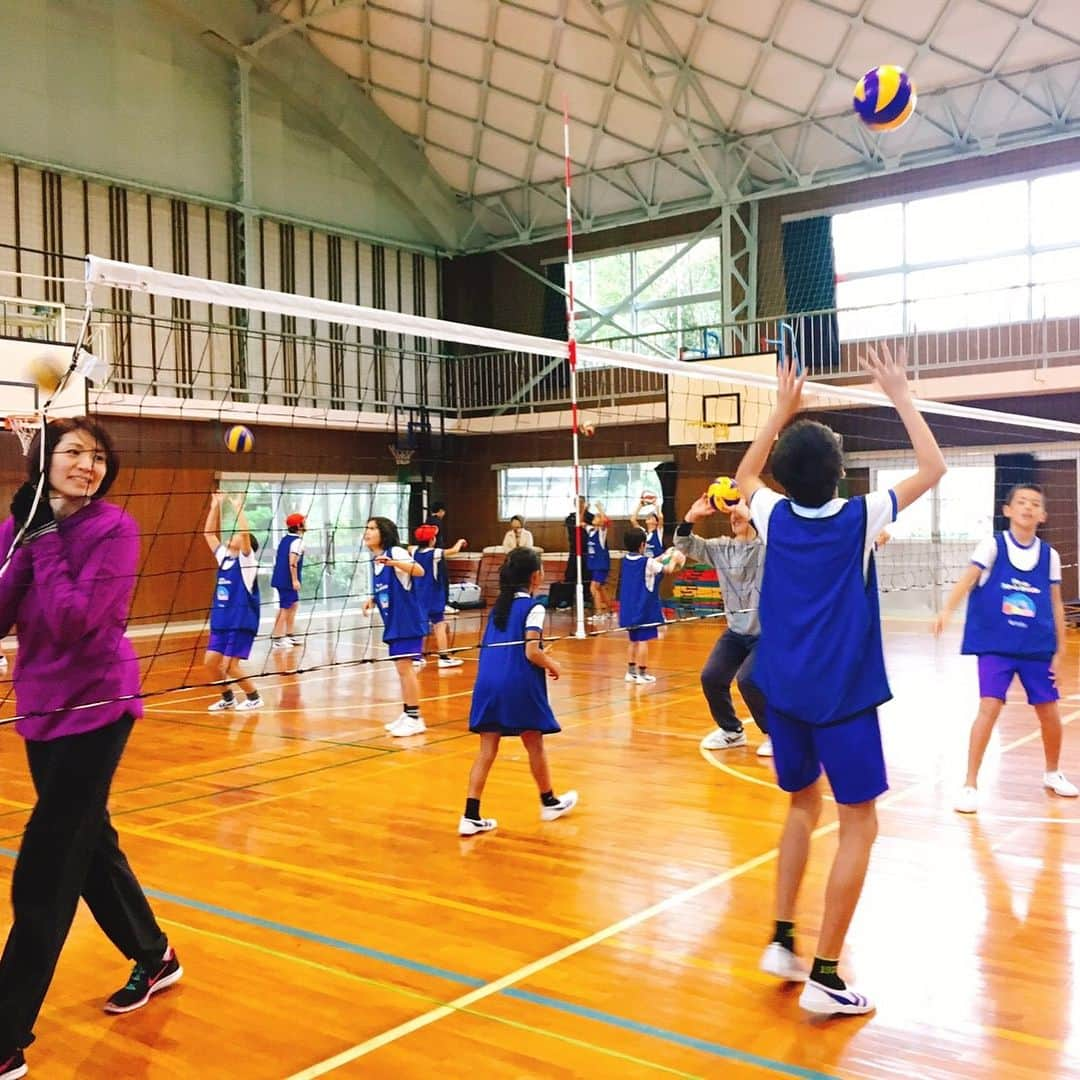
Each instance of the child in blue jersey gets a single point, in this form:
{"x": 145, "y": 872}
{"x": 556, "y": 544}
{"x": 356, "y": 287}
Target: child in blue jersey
{"x": 653, "y": 526}
{"x": 286, "y": 579}
{"x": 819, "y": 660}
{"x": 510, "y": 694}
{"x": 394, "y": 593}
{"x": 598, "y": 562}
{"x": 432, "y": 595}
{"x": 1016, "y": 627}
{"x": 640, "y": 611}
{"x": 234, "y": 617}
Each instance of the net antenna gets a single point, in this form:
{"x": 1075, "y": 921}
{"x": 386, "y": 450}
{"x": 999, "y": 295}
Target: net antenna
{"x": 571, "y": 346}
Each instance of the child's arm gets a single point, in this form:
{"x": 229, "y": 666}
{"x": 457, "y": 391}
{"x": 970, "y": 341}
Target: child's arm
{"x": 406, "y": 566}
{"x": 930, "y": 464}
{"x": 968, "y": 580}
{"x": 242, "y": 526}
{"x": 788, "y": 399}
{"x": 294, "y": 567}
{"x": 456, "y": 548}
{"x": 212, "y": 526}
{"x": 535, "y": 654}
{"x": 1059, "y": 628}
{"x": 634, "y": 523}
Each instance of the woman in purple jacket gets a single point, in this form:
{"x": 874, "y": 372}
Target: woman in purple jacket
{"x": 68, "y": 588}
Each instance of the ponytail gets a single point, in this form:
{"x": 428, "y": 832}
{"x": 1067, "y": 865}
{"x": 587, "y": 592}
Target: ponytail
{"x": 515, "y": 575}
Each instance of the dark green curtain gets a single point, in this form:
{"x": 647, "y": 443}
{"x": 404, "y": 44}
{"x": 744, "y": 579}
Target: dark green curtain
{"x": 810, "y": 285}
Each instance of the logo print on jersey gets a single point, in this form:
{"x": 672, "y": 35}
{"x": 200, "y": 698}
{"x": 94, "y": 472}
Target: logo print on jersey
{"x": 1018, "y": 604}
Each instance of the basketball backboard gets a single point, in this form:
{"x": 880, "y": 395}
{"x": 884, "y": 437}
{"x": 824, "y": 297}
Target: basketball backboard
{"x": 20, "y": 394}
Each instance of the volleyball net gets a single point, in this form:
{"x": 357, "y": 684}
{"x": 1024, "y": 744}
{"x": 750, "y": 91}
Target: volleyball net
{"x": 358, "y": 412}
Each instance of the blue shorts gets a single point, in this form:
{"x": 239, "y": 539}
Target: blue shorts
{"x": 996, "y": 674}
{"x": 644, "y": 633}
{"x": 287, "y": 598}
{"x": 233, "y": 643}
{"x": 599, "y": 577}
{"x": 406, "y": 646}
{"x": 849, "y": 751}
{"x": 436, "y": 617}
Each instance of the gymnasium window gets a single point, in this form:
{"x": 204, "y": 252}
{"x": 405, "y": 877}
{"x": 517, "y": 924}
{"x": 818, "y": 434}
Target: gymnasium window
{"x": 962, "y": 504}
{"x": 671, "y": 311}
{"x": 546, "y": 492}
{"x": 337, "y": 509}
{"x": 984, "y": 256}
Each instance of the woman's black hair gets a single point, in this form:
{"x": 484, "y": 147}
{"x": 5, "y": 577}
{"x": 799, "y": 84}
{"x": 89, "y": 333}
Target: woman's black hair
{"x": 808, "y": 462}
{"x": 514, "y": 577}
{"x": 55, "y": 430}
{"x": 517, "y": 517}
{"x": 388, "y": 534}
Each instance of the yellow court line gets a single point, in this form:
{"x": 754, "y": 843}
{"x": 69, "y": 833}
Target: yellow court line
{"x": 416, "y": 995}
{"x": 631, "y": 921}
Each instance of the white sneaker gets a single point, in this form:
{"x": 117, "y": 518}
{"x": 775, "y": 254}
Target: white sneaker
{"x": 406, "y": 726}
{"x": 450, "y": 661}
{"x": 765, "y": 749}
{"x": 419, "y": 662}
{"x": 966, "y": 801}
{"x": 397, "y": 720}
{"x": 249, "y": 703}
{"x": 449, "y": 609}
{"x": 295, "y": 642}
{"x": 565, "y": 804}
{"x": 783, "y": 964}
{"x": 281, "y": 643}
{"x": 3, "y": 663}
{"x": 723, "y": 740}
{"x": 470, "y": 827}
{"x": 631, "y": 677}
{"x": 1059, "y": 784}
{"x": 221, "y": 705}
{"x": 645, "y": 679}
{"x": 824, "y": 1001}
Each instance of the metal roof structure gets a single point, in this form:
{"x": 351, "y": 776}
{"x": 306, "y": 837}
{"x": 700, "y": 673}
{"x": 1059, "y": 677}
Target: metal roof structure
{"x": 675, "y": 105}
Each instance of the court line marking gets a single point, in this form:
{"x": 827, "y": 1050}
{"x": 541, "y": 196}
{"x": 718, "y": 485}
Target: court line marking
{"x": 526, "y": 971}
{"x": 416, "y": 995}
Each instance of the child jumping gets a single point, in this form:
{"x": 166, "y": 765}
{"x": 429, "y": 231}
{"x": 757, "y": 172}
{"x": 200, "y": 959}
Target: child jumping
{"x": 1016, "y": 627}
{"x": 640, "y": 610}
{"x": 510, "y": 694}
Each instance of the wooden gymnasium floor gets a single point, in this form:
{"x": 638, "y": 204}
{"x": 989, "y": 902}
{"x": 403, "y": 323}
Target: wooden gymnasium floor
{"x": 330, "y": 921}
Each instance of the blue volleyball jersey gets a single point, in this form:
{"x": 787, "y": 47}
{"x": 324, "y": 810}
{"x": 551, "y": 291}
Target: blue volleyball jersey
{"x": 236, "y": 593}
{"x": 597, "y": 555}
{"x": 429, "y": 588}
{"x": 820, "y": 657}
{"x": 654, "y": 544}
{"x": 281, "y": 578}
{"x": 639, "y": 592}
{"x": 1012, "y": 612}
{"x": 510, "y": 693}
{"x": 398, "y": 600}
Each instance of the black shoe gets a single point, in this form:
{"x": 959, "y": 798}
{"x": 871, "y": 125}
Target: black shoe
{"x": 13, "y": 1066}
{"x": 145, "y": 981}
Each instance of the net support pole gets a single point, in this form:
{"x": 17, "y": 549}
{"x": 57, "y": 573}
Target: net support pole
{"x": 571, "y": 350}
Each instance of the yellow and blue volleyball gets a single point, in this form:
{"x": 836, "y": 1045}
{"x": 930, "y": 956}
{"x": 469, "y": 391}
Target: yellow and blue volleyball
{"x": 885, "y": 98}
{"x": 239, "y": 439}
{"x": 723, "y": 493}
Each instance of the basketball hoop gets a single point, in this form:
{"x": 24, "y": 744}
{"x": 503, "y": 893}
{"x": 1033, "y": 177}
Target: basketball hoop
{"x": 25, "y": 426}
{"x": 402, "y": 455}
{"x": 708, "y": 434}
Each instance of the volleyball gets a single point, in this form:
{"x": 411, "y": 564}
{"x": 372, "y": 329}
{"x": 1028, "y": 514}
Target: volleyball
{"x": 723, "y": 493}
{"x": 588, "y": 430}
{"x": 648, "y": 498}
{"x": 239, "y": 439}
{"x": 885, "y": 98}
{"x": 47, "y": 371}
